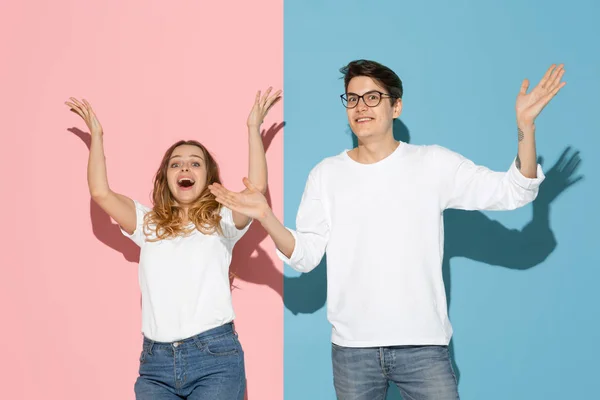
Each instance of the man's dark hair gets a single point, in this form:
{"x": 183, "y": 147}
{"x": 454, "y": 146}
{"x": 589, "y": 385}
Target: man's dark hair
{"x": 380, "y": 73}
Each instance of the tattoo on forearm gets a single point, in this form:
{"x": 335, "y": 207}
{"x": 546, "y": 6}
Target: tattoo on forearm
{"x": 518, "y": 162}
{"x": 521, "y": 134}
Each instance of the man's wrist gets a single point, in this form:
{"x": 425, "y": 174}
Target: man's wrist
{"x": 526, "y": 126}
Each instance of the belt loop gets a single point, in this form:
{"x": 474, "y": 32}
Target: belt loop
{"x": 148, "y": 345}
{"x": 197, "y": 342}
{"x": 233, "y": 328}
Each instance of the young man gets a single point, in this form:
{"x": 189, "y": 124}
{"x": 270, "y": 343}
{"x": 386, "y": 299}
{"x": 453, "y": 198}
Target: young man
{"x": 377, "y": 210}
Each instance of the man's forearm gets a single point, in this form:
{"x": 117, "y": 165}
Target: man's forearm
{"x": 526, "y": 157}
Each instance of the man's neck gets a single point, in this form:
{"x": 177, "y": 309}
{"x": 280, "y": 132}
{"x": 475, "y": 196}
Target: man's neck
{"x": 372, "y": 151}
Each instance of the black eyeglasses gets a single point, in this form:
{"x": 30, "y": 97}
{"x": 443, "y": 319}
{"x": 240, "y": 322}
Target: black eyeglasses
{"x": 371, "y": 99}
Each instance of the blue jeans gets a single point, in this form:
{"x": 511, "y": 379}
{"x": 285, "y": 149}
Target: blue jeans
{"x": 420, "y": 372}
{"x": 206, "y": 366}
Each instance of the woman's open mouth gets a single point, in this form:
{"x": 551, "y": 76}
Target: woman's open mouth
{"x": 186, "y": 183}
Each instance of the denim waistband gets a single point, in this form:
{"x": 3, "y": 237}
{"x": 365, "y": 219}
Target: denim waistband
{"x": 201, "y": 337}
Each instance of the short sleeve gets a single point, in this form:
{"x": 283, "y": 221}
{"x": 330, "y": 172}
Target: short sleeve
{"x": 138, "y": 236}
{"x": 230, "y": 231}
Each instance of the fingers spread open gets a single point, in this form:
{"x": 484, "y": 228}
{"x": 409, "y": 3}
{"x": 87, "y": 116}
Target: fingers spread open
{"x": 544, "y": 81}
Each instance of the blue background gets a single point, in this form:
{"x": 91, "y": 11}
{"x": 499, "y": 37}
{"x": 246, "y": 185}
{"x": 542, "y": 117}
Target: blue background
{"x": 522, "y": 284}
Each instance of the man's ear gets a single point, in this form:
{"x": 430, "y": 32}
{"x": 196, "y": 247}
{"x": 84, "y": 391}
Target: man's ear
{"x": 397, "y": 108}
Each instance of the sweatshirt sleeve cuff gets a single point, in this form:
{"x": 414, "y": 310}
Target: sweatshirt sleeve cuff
{"x": 296, "y": 254}
{"x": 524, "y": 182}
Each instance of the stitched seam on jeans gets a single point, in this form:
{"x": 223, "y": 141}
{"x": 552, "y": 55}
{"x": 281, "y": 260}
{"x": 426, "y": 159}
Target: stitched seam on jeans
{"x": 382, "y": 363}
{"x": 206, "y": 346}
{"x": 200, "y": 344}
{"x": 223, "y": 354}
{"x": 453, "y": 374}
{"x": 240, "y": 360}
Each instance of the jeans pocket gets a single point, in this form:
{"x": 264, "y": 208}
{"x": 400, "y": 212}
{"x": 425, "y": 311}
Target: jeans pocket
{"x": 223, "y": 346}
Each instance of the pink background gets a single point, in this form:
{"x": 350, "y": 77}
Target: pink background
{"x": 155, "y": 72}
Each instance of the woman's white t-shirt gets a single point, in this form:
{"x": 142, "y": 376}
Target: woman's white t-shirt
{"x": 185, "y": 281}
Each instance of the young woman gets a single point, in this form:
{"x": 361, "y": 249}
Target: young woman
{"x": 190, "y": 348}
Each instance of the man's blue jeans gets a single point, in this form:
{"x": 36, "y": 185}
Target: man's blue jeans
{"x": 420, "y": 372}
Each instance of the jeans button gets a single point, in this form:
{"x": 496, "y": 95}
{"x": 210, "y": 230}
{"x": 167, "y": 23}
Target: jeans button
{"x": 175, "y": 344}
